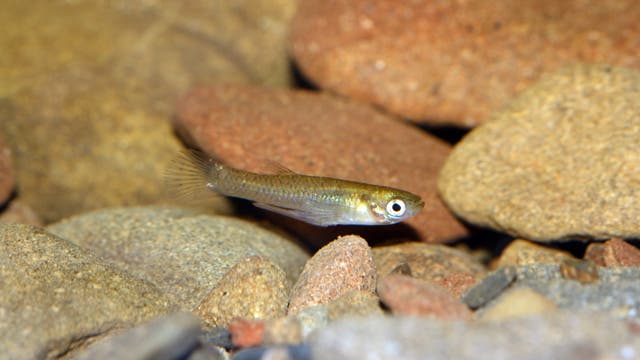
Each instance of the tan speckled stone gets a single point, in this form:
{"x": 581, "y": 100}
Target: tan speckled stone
{"x": 561, "y": 161}
{"x": 254, "y": 289}
{"x": 522, "y": 252}
{"x": 455, "y": 62}
{"x": 341, "y": 266}
{"x": 317, "y": 134}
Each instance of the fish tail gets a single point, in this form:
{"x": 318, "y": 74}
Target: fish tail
{"x": 192, "y": 175}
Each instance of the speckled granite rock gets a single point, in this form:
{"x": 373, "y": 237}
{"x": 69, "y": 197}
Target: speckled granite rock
{"x": 453, "y": 269}
{"x": 317, "y": 134}
{"x": 343, "y": 265}
{"x": 55, "y": 297}
{"x": 254, "y": 288}
{"x": 616, "y": 291}
{"x": 183, "y": 253}
{"x": 563, "y": 336}
{"x": 455, "y": 62}
{"x": 561, "y": 161}
{"x": 7, "y": 173}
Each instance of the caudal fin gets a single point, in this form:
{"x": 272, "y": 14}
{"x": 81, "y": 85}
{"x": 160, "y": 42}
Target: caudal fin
{"x": 188, "y": 175}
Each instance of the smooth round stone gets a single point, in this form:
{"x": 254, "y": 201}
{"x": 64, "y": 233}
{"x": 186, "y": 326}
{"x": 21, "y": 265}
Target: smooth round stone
{"x": 455, "y": 62}
{"x": 55, "y": 296}
{"x": 183, "y": 253}
{"x": 316, "y": 134}
{"x": 560, "y": 162}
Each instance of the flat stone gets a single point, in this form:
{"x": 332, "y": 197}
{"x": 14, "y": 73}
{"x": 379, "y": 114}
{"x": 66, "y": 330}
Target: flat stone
{"x": 615, "y": 252}
{"x": 559, "y": 162}
{"x": 182, "y": 252}
{"x": 167, "y": 338}
{"x": 454, "y": 62}
{"x": 406, "y": 296}
{"x": 317, "y": 134}
{"x": 56, "y": 297}
{"x": 523, "y": 252}
{"x": 255, "y": 288}
{"x": 341, "y": 266}
{"x": 490, "y": 286}
{"x": 451, "y": 268}
{"x": 517, "y": 302}
{"x": 616, "y": 291}
{"x": 558, "y": 335}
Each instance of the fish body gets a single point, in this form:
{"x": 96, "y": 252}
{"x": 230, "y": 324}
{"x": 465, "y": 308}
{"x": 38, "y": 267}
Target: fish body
{"x": 317, "y": 200}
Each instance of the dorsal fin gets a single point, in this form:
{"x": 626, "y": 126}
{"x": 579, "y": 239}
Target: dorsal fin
{"x": 279, "y": 169}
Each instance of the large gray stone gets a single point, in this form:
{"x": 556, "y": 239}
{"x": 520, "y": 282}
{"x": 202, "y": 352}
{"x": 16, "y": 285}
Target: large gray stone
{"x": 549, "y": 336}
{"x": 56, "y": 296}
{"x": 559, "y": 162}
{"x": 183, "y": 253}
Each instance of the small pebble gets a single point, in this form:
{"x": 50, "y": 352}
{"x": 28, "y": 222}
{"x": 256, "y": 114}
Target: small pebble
{"x": 522, "y": 252}
{"x": 246, "y": 333}
{"x": 584, "y": 271}
{"x": 615, "y": 252}
{"x": 408, "y": 296}
{"x": 517, "y": 302}
{"x": 490, "y": 287}
{"x": 343, "y": 265}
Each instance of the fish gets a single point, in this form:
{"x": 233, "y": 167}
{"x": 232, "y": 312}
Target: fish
{"x": 317, "y": 200}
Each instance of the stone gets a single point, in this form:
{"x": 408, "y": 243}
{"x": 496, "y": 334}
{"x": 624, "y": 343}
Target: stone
{"x": 560, "y": 162}
{"x": 406, "y": 296}
{"x": 341, "y": 266}
{"x": 451, "y": 268}
{"x": 183, "y": 253}
{"x": 198, "y": 41}
{"x": 56, "y": 297}
{"x": 454, "y": 62}
{"x": 253, "y": 289}
{"x": 171, "y": 337}
{"x": 19, "y": 212}
{"x": 246, "y": 333}
{"x": 284, "y": 330}
{"x": 523, "y": 252}
{"x": 584, "y": 271}
{"x": 616, "y": 292}
{"x": 517, "y": 302}
{"x": 290, "y": 352}
{"x": 614, "y": 252}
{"x": 312, "y": 318}
{"x": 558, "y": 335}
{"x": 317, "y": 134}
{"x": 86, "y": 105}
{"x": 7, "y": 172}
{"x": 354, "y": 303}
{"x": 490, "y": 286}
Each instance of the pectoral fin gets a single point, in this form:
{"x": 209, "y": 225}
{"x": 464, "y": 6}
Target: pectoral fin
{"x": 315, "y": 216}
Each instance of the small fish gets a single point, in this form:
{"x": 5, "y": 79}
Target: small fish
{"x": 321, "y": 201}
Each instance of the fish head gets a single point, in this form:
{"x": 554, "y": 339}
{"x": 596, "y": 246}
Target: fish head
{"x": 391, "y": 206}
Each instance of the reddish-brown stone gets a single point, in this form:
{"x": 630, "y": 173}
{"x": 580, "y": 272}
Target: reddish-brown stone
{"x": 455, "y": 62}
{"x": 246, "y": 333}
{"x": 408, "y": 296}
{"x": 316, "y": 134}
{"x": 615, "y": 252}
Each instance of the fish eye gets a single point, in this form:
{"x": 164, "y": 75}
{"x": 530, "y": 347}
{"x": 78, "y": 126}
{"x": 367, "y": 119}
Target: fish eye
{"x": 396, "y": 208}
